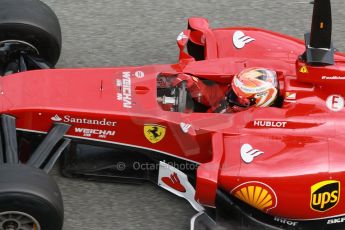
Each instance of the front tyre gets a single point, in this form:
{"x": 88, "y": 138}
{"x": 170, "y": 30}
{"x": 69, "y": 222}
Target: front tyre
{"x": 31, "y": 23}
{"x": 29, "y": 199}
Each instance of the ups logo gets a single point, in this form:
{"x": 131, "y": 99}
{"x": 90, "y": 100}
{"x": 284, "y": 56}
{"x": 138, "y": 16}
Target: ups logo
{"x": 325, "y": 195}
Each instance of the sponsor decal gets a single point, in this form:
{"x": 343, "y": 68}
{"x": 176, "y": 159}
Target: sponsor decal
{"x": 154, "y": 133}
{"x": 256, "y": 194}
{"x": 248, "y": 153}
{"x": 336, "y": 220}
{"x": 185, "y": 127}
{"x": 290, "y": 96}
{"x": 335, "y": 103}
{"x": 77, "y": 120}
{"x": 239, "y": 39}
{"x": 98, "y": 132}
{"x": 324, "y": 195}
{"x": 304, "y": 69}
{"x": 139, "y": 74}
{"x": 270, "y": 124}
{"x": 333, "y": 77}
{"x": 56, "y": 118}
{"x": 174, "y": 182}
{"x": 285, "y": 221}
{"x": 125, "y": 87}
{"x": 181, "y": 36}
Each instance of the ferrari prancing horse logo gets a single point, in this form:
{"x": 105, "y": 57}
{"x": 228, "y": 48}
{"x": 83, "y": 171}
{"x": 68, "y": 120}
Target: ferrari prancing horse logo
{"x": 154, "y": 133}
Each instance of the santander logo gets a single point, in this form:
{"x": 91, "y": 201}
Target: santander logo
{"x": 77, "y": 120}
{"x": 239, "y": 39}
{"x": 56, "y": 118}
{"x": 181, "y": 36}
{"x": 185, "y": 127}
{"x": 174, "y": 182}
{"x": 248, "y": 153}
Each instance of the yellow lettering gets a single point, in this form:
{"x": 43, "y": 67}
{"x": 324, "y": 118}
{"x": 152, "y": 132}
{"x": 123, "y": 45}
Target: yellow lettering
{"x": 334, "y": 196}
{"x": 326, "y": 197}
{"x": 316, "y": 199}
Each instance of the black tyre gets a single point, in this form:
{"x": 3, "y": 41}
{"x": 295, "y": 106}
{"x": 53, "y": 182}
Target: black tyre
{"x": 33, "y": 22}
{"x": 29, "y": 199}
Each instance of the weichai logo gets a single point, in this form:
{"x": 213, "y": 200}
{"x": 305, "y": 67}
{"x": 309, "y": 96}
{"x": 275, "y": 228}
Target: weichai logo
{"x": 325, "y": 195}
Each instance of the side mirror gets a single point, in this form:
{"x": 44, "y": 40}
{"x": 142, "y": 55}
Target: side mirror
{"x": 200, "y": 24}
{"x": 182, "y": 41}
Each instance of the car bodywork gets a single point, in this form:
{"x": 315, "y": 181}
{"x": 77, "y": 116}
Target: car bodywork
{"x": 277, "y": 167}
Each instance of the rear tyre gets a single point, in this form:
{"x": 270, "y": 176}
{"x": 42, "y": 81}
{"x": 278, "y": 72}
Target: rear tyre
{"x": 29, "y": 199}
{"x": 32, "y": 22}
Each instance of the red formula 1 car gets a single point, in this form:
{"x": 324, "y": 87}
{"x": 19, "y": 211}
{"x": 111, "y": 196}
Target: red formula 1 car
{"x": 276, "y": 167}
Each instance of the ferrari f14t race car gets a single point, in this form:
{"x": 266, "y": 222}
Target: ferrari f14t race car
{"x": 245, "y": 126}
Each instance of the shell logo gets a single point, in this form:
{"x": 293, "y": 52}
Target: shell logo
{"x": 256, "y": 194}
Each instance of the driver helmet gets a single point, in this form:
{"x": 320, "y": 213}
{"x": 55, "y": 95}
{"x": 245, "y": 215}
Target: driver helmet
{"x": 256, "y": 87}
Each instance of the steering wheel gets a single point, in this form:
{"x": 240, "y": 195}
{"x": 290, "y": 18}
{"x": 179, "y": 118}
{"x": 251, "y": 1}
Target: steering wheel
{"x": 181, "y": 102}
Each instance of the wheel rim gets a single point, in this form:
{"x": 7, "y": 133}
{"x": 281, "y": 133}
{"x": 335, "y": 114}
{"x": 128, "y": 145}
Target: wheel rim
{"x": 22, "y": 44}
{"x": 18, "y": 221}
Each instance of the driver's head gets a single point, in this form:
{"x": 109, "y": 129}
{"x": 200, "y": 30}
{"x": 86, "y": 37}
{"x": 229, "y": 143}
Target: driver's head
{"x": 256, "y": 87}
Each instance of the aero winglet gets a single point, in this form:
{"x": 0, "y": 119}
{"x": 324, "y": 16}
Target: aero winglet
{"x": 10, "y": 139}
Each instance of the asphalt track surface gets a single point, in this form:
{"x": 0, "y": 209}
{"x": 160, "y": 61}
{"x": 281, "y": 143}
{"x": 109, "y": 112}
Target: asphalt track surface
{"x": 127, "y": 32}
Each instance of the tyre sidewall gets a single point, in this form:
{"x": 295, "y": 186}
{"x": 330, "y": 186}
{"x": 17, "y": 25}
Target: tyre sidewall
{"x": 45, "y": 44}
{"x": 44, "y": 213}
{"x": 34, "y": 22}
{"x": 31, "y": 191}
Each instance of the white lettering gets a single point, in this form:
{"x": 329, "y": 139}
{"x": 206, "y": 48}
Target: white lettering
{"x": 270, "y": 124}
{"x": 90, "y": 132}
{"x": 333, "y": 77}
{"x": 257, "y": 123}
{"x": 126, "y": 95}
{"x": 102, "y": 122}
{"x": 336, "y": 220}
{"x": 285, "y": 221}
{"x": 126, "y": 75}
